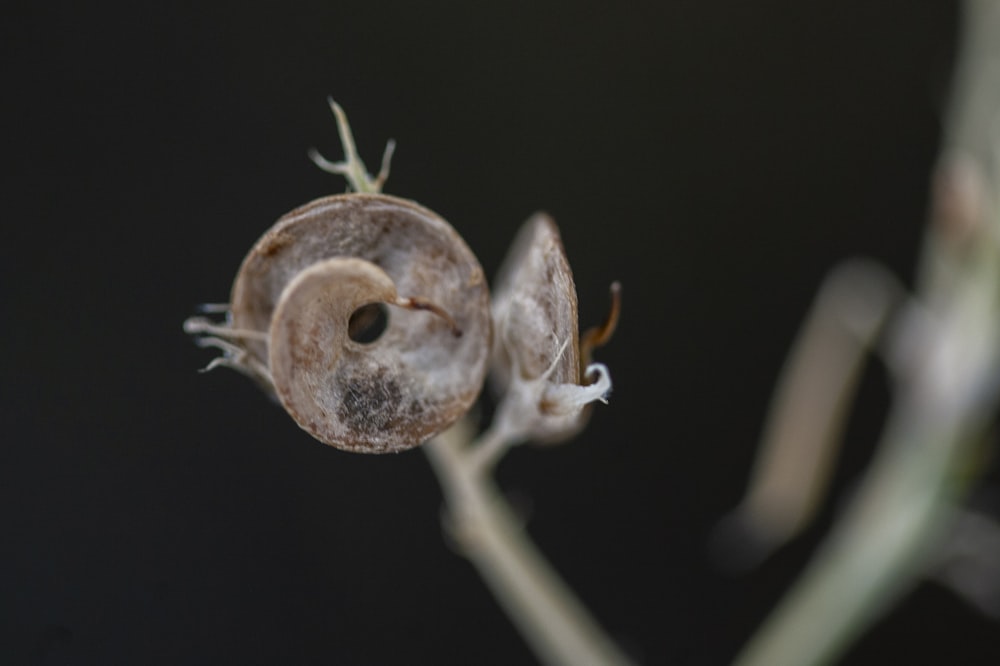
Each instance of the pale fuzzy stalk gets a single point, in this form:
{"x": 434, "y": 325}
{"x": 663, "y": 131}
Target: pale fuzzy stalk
{"x": 946, "y": 391}
{"x": 807, "y": 411}
{"x": 878, "y": 551}
{"x": 551, "y": 619}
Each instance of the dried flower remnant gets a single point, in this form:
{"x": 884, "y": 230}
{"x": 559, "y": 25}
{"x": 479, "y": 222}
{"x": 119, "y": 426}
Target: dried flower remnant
{"x": 368, "y": 318}
{"x": 540, "y": 364}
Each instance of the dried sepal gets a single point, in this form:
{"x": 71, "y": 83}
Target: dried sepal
{"x": 538, "y": 364}
{"x": 352, "y": 168}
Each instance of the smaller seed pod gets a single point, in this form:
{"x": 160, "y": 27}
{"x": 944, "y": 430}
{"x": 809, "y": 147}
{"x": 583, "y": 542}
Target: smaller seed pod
{"x": 306, "y": 299}
{"x": 540, "y": 364}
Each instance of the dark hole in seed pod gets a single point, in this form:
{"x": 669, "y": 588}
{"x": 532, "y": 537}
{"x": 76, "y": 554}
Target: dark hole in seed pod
{"x": 368, "y": 323}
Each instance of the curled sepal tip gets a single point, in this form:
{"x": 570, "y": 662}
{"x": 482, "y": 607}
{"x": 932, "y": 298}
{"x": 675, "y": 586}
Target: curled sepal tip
{"x": 567, "y": 399}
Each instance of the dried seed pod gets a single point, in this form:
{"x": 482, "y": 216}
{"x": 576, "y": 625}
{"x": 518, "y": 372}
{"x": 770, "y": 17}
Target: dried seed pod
{"x": 540, "y": 363}
{"x": 311, "y": 281}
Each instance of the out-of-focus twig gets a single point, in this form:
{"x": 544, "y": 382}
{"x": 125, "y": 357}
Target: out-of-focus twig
{"x": 807, "y": 412}
{"x": 944, "y": 348}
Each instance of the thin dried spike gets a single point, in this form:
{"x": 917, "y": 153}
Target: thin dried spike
{"x": 555, "y": 362}
{"x": 383, "y": 172}
{"x": 598, "y": 336}
{"x": 199, "y": 325}
{"x": 236, "y": 358}
{"x": 212, "y": 308}
{"x": 221, "y": 362}
{"x": 244, "y": 365}
{"x": 227, "y": 347}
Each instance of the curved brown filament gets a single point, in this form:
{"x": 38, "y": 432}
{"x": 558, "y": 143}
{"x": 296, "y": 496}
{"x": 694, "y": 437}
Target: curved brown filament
{"x": 416, "y": 303}
{"x": 598, "y": 336}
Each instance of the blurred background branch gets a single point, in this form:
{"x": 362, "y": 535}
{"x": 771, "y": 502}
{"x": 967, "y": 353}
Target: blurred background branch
{"x": 941, "y": 346}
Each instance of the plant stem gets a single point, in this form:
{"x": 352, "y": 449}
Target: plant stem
{"x": 552, "y": 620}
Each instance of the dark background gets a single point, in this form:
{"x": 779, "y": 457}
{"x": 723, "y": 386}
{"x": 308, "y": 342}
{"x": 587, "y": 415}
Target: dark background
{"x": 717, "y": 158}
